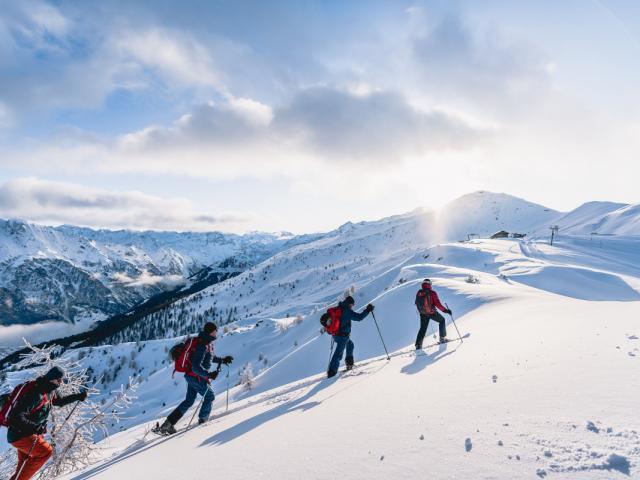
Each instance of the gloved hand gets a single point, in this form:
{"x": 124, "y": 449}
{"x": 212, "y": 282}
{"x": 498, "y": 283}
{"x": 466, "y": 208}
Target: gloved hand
{"x": 448, "y": 311}
{"x": 227, "y": 360}
{"x": 369, "y": 308}
{"x": 81, "y": 396}
{"x": 213, "y": 375}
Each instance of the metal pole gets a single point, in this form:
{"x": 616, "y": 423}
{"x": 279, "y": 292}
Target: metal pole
{"x": 26, "y": 459}
{"x": 454, "y": 322}
{"x": 228, "y": 370}
{"x": 53, "y": 431}
{"x": 330, "y": 352}
{"x": 380, "y": 333}
{"x": 196, "y": 410}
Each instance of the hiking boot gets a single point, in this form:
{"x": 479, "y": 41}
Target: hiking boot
{"x": 167, "y": 428}
{"x": 330, "y": 374}
{"x": 349, "y": 366}
{"x": 418, "y": 347}
{"x": 202, "y": 420}
{"x": 443, "y": 340}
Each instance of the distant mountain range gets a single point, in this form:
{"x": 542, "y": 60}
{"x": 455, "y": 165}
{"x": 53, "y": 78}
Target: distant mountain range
{"x": 73, "y": 274}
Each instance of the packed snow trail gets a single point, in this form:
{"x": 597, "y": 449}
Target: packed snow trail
{"x": 544, "y": 387}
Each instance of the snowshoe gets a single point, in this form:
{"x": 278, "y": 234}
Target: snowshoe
{"x": 165, "y": 429}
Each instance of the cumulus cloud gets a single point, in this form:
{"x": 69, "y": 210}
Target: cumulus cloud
{"x": 372, "y": 127}
{"x": 57, "y": 203}
{"x": 320, "y": 125}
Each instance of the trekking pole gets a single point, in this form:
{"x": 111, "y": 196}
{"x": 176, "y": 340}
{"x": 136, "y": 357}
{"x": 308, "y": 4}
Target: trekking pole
{"x": 201, "y": 401}
{"x": 454, "y": 322}
{"x": 195, "y": 411}
{"x": 27, "y": 459}
{"x": 228, "y": 370}
{"x": 53, "y": 431}
{"x": 380, "y": 333}
{"x": 330, "y": 353}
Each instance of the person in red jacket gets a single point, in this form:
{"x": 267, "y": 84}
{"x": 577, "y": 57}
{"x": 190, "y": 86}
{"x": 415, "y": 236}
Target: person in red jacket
{"x": 28, "y": 422}
{"x": 427, "y": 301}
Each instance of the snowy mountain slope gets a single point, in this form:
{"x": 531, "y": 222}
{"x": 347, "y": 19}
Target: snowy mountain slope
{"x": 304, "y": 278}
{"x": 602, "y": 218}
{"x": 73, "y": 274}
{"x": 583, "y": 218}
{"x": 535, "y": 389}
{"x": 485, "y": 213}
{"x": 270, "y": 321}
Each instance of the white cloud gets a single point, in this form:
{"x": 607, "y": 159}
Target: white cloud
{"x": 57, "y": 203}
{"x": 171, "y": 54}
{"x": 243, "y": 137}
{"x": 146, "y": 279}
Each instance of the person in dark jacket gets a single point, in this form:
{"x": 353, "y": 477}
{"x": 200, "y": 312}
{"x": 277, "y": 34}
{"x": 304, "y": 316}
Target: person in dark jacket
{"x": 342, "y": 339}
{"x": 28, "y": 422}
{"x": 427, "y": 301}
{"x": 198, "y": 378}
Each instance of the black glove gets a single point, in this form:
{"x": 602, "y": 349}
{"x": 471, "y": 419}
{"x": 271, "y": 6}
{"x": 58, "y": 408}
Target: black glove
{"x": 82, "y": 396}
{"x": 227, "y": 360}
{"x": 213, "y": 375}
{"x": 369, "y": 308}
{"x": 447, "y": 311}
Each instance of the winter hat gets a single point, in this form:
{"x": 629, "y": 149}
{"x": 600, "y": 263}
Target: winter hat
{"x": 210, "y": 327}
{"x": 426, "y": 283}
{"x": 56, "y": 373}
{"x": 349, "y": 300}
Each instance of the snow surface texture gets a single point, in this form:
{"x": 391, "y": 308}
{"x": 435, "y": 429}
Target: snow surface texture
{"x": 545, "y": 384}
{"x": 562, "y": 404}
{"x": 537, "y": 388}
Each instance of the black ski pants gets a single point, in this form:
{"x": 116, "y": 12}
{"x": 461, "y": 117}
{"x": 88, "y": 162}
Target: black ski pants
{"x": 424, "y": 323}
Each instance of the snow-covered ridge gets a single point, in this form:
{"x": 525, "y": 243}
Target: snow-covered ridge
{"x": 526, "y": 387}
{"x": 554, "y": 323}
{"x": 70, "y": 273}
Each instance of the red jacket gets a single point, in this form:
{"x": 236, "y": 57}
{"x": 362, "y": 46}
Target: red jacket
{"x": 427, "y": 301}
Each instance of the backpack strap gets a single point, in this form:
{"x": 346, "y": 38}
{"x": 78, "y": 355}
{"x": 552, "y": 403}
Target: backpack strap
{"x": 17, "y": 396}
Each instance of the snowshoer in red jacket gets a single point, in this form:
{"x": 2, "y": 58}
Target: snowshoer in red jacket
{"x": 27, "y": 421}
{"x": 427, "y": 301}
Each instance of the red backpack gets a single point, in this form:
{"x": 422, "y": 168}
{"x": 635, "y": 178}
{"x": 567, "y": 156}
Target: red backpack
{"x": 8, "y": 402}
{"x": 423, "y": 302}
{"x": 181, "y": 355}
{"x": 331, "y": 320}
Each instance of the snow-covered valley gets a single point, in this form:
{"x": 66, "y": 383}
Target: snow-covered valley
{"x": 545, "y": 383}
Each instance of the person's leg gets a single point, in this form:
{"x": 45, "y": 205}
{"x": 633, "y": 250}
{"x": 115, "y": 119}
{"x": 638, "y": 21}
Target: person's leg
{"x": 348, "y": 359}
{"x": 208, "y": 398}
{"x": 442, "y": 327}
{"x": 32, "y": 462}
{"x": 186, "y": 404}
{"x": 341, "y": 343}
{"x": 424, "y": 323}
{"x": 22, "y": 456}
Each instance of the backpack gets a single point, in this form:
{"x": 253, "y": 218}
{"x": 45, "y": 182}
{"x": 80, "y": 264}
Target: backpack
{"x": 9, "y": 400}
{"x": 331, "y": 320}
{"x": 181, "y": 355}
{"x": 423, "y": 302}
